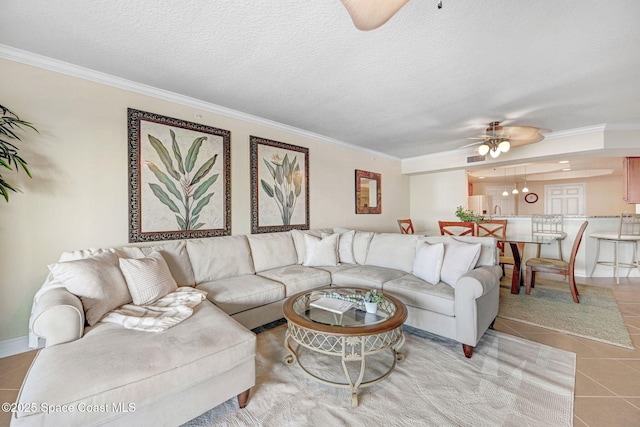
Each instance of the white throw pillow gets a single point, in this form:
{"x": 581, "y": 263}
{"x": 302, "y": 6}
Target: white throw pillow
{"x": 321, "y": 252}
{"x": 345, "y": 247}
{"x": 148, "y": 279}
{"x": 361, "y": 242}
{"x": 459, "y": 258}
{"x": 428, "y": 262}
{"x": 97, "y": 281}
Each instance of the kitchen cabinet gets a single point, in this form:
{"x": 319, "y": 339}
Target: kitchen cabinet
{"x": 631, "y": 176}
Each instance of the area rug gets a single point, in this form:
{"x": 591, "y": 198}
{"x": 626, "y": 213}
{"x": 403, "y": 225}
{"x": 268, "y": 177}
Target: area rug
{"x": 508, "y": 382}
{"x": 550, "y": 305}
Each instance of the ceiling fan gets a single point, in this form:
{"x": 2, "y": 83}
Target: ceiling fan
{"x": 499, "y": 139}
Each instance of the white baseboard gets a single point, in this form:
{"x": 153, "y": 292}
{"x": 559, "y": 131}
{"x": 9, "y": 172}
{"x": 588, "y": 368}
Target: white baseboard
{"x": 15, "y": 346}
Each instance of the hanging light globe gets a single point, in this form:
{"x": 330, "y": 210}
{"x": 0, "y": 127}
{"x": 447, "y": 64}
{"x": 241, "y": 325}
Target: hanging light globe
{"x": 504, "y": 146}
{"x": 483, "y": 149}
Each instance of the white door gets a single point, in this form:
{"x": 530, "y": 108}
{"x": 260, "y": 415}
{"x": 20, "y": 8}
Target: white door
{"x": 564, "y": 199}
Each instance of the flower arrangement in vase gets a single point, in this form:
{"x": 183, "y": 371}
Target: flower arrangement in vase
{"x": 371, "y": 300}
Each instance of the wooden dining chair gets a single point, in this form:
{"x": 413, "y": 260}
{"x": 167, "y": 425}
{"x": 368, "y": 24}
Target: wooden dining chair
{"x": 556, "y": 266}
{"x": 496, "y": 228}
{"x": 406, "y": 226}
{"x": 457, "y": 228}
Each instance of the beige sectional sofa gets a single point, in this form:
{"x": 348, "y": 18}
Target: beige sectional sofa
{"x": 172, "y": 376}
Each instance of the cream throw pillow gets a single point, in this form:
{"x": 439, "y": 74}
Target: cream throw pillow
{"x": 321, "y": 252}
{"x": 148, "y": 279}
{"x": 428, "y": 262}
{"x": 459, "y": 258}
{"x": 97, "y": 281}
{"x": 345, "y": 247}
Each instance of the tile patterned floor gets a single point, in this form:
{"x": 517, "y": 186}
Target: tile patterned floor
{"x": 607, "y": 391}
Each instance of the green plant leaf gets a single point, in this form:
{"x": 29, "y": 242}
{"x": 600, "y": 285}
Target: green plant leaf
{"x": 201, "y": 204}
{"x": 279, "y": 195}
{"x": 204, "y": 186}
{"x": 272, "y": 171}
{"x": 197, "y": 226}
{"x": 267, "y": 188}
{"x": 5, "y": 164}
{"x": 164, "y": 197}
{"x": 20, "y": 161}
{"x": 181, "y": 223}
{"x": 279, "y": 174}
{"x": 164, "y": 156}
{"x": 163, "y": 178}
{"x": 286, "y": 168}
{"x": 192, "y": 154}
{"x": 204, "y": 170}
{"x": 290, "y": 201}
{"x": 4, "y": 192}
{"x": 194, "y": 219}
{"x": 176, "y": 151}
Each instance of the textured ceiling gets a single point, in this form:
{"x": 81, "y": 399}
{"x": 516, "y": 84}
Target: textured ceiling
{"x": 424, "y": 82}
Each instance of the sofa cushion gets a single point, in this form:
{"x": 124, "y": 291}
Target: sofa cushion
{"x": 122, "y": 252}
{"x": 217, "y": 258}
{"x": 321, "y": 251}
{"x": 393, "y": 250}
{"x": 147, "y": 278}
{"x": 428, "y": 262}
{"x": 415, "y": 292}
{"x": 298, "y": 278}
{"x": 111, "y": 364}
{"x": 365, "y": 275}
{"x": 97, "y": 281}
{"x": 236, "y": 294}
{"x": 361, "y": 243}
{"x": 459, "y": 258}
{"x": 345, "y": 246}
{"x": 177, "y": 258}
{"x": 272, "y": 250}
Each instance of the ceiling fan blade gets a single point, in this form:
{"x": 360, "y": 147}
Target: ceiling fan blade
{"x": 470, "y": 145}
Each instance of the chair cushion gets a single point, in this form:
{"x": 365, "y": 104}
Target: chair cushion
{"x": 241, "y": 293}
{"x": 554, "y": 264}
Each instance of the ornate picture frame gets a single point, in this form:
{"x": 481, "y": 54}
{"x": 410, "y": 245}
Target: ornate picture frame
{"x": 179, "y": 178}
{"x": 368, "y": 192}
{"x": 279, "y": 186}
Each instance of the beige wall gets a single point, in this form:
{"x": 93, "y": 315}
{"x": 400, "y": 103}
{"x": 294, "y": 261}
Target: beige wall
{"x": 435, "y": 196}
{"x": 78, "y": 195}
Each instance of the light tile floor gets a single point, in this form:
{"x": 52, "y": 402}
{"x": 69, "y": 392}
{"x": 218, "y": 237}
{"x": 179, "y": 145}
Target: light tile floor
{"x": 607, "y": 391}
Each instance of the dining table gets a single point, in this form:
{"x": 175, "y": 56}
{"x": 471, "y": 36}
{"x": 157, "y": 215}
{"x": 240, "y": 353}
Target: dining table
{"x": 517, "y": 242}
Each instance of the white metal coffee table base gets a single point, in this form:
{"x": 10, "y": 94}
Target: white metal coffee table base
{"x": 350, "y": 348}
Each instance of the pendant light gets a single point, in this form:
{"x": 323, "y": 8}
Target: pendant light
{"x": 505, "y": 192}
{"x": 515, "y": 188}
{"x": 525, "y": 189}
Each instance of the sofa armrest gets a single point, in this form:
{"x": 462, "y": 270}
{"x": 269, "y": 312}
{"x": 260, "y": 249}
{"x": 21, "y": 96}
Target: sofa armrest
{"x": 478, "y": 282}
{"x": 58, "y": 317}
{"x": 477, "y": 296}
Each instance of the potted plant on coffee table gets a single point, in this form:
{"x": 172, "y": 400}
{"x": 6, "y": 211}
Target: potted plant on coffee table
{"x": 371, "y": 300}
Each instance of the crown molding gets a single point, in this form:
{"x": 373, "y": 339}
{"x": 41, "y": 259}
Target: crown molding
{"x": 40, "y": 61}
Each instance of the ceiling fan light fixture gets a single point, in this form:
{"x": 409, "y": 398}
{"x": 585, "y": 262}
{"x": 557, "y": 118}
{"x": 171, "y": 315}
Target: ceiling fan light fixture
{"x": 504, "y": 146}
{"x": 494, "y": 152}
{"x": 370, "y": 14}
{"x": 483, "y": 149}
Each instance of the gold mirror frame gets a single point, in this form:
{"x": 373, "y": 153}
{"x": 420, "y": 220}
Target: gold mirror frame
{"x": 363, "y": 194}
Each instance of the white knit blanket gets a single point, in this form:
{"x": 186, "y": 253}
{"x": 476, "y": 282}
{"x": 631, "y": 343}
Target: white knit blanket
{"x": 164, "y": 313}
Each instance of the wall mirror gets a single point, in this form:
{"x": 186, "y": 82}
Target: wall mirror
{"x": 368, "y": 192}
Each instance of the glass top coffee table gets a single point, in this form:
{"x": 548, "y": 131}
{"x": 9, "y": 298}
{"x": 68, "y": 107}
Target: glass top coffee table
{"x": 321, "y": 337}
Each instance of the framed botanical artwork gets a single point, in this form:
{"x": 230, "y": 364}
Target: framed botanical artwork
{"x": 179, "y": 178}
{"x": 279, "y": 186}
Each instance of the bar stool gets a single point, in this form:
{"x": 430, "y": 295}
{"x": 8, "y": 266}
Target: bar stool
{"x": 628, "y": 232}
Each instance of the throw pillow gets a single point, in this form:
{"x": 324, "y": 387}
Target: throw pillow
{"x": 321, "y": 252}
{"x": 148, "y": 279}
{"x": 428, "y": 262}
{"x": 345, "y": 247}
{"x": 459, "y": 258}
{"x": 97, "y": 281}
